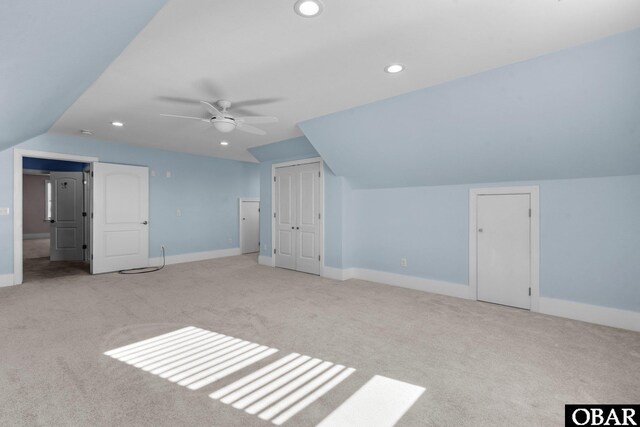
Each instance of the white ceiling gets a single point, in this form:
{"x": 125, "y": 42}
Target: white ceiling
{"x": 257, "y": 49}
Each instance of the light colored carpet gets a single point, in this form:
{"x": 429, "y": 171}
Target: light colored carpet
{"x": 481, "y": 364}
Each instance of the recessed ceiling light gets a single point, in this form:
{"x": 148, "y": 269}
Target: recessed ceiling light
{"x": 225, "y": 143}
{"x": 117, "y": 124}
{"x": 394, "y": 68}
{"x": 308, "y": 8}
{"x": 86, "y": 132}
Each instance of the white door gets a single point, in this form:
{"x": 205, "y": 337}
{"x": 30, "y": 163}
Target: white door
{"x": 308, "y": 218}
{"x": 504, "y": 249}
{"x": 297, "y": 211}
{"x": 285, "y": 217}
{"x": 66, "y": 216}
{"x": 120, "y": 207}
{"x": 250, "y": 226}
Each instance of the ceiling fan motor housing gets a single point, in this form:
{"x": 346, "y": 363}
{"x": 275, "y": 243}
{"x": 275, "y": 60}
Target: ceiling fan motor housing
{"x": 224, "y": 124}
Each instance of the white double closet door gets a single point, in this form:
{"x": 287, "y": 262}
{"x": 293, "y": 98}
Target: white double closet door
{"x": 297, "y": 219}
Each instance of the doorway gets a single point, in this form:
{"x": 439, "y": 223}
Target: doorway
{"x": 54, "y": 231}
{"x": 249, "y": 220}
{"x": 297, "y": 216}
{"x": 503, "y": 249}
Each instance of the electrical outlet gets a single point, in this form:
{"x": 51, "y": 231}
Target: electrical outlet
{"x": 403, "y": 262}
{"x": 153, "y": 173}
{"x": 4, "y": 211}
{"x": 168, "y": 174}
{"x": 178, "y": 212}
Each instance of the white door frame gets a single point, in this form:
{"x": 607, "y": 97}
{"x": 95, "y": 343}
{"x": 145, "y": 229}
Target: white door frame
{"x": 273, "y": 207}
{"x": 534, "y": 194}
{"x": 240, "y": 200}
{"x": 18, "y": 155}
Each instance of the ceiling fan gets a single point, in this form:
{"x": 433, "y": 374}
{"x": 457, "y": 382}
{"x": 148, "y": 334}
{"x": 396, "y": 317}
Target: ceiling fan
{"x": 225, "y": 122}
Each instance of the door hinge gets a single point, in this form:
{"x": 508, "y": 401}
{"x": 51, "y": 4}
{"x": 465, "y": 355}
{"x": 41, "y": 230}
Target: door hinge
{"x": 274, "y": 179}
{"x": 91, "y": 215}
{"x": 529, "y": 213}
{"x": 84, "y": 246}
{"x": 274, "y": 214}
{"x": 92, "y": 256}
{"x": 318, "y": 257}
{"x": 258, "y": 210}
{"x": 318, "y": 174}
{"x": 92, "y": 174}
{"x": 274, "y": 251}
{"x": 529, "y": 291}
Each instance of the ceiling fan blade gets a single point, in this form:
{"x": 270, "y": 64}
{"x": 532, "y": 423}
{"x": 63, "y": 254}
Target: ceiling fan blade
{"x": 178, "y": 99}
{"x": 256, "y": 120}
{"x": 251, "y": 129}
{"x": 252, "y": 102}
{"x": 210, "y": 108}
{"x": 184, "y": 117}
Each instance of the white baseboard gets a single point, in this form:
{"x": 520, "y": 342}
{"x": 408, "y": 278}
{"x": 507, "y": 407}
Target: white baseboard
{"x": 607, "y": 316}
{"x": 418, "y": 283}
{"x": 34, "y": 236}
{"x": 266, "y": 260}
{"x": 6, "y": 280}
{"x": 338, "y": 273}
{"x": 195, "y": 256}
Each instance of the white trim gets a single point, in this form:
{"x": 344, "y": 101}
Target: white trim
{"x": 338, "y": 273}
{"x": 18, "y": 154}
{"x": 534, "y": 193}
{"x": 6, "y": 280}
{"x": 240, "y": 200}
{"x": 614, "y": 317}
{"x": 607, "y": 316}
{"x": 34, "y": 236}
{"x": 274, "y": 166}
{"x": 266, "y": 260}
{"x": 411, "y": 282}
{"x": 195, "y": 256}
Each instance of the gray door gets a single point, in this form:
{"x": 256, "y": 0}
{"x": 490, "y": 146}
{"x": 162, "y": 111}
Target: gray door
{"x": 66, "y": 216}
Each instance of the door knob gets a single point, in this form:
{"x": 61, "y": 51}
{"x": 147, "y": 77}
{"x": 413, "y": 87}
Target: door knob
{"x": 144, "y": 223}
{"x": 52, "y": 221}
{"x": 297, "y": 228}
{"x": 292, "y": 228}
{"x": 480, "y": 230}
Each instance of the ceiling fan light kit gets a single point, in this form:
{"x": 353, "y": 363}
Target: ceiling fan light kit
{"x": 225, "y": 122}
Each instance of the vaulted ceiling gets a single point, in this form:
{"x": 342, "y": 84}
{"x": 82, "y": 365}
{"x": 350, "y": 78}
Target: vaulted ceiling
{"x": 51, "y": 51}
{"x": 268, "y": 61}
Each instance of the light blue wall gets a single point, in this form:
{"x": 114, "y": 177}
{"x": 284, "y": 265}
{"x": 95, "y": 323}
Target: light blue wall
{"x": 51, "y": 51}
{"x": 206, "y": 190}
{"x": 570, "y": 114}
{"x": 589, "y": 236}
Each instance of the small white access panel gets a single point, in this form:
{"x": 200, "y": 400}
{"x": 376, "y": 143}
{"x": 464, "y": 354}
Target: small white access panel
{"x": 67, "y": 223}
{"x": 504, "y": 249}
{"x": 120, "y": 207}
{"x": 250, "y": 226}
{"x": 297, "y": 217}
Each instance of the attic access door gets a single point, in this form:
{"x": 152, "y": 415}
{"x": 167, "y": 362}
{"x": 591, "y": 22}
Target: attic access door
{"x": 120, "y": 209}
{"x": 297, "y": 209}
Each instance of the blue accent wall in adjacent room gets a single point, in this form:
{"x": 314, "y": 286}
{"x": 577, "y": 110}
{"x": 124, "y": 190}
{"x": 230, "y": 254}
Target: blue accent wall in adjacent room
{"x": 205, "y": 189}
{"x": 569, "y": 114}
{"x": 51, "y": 165}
